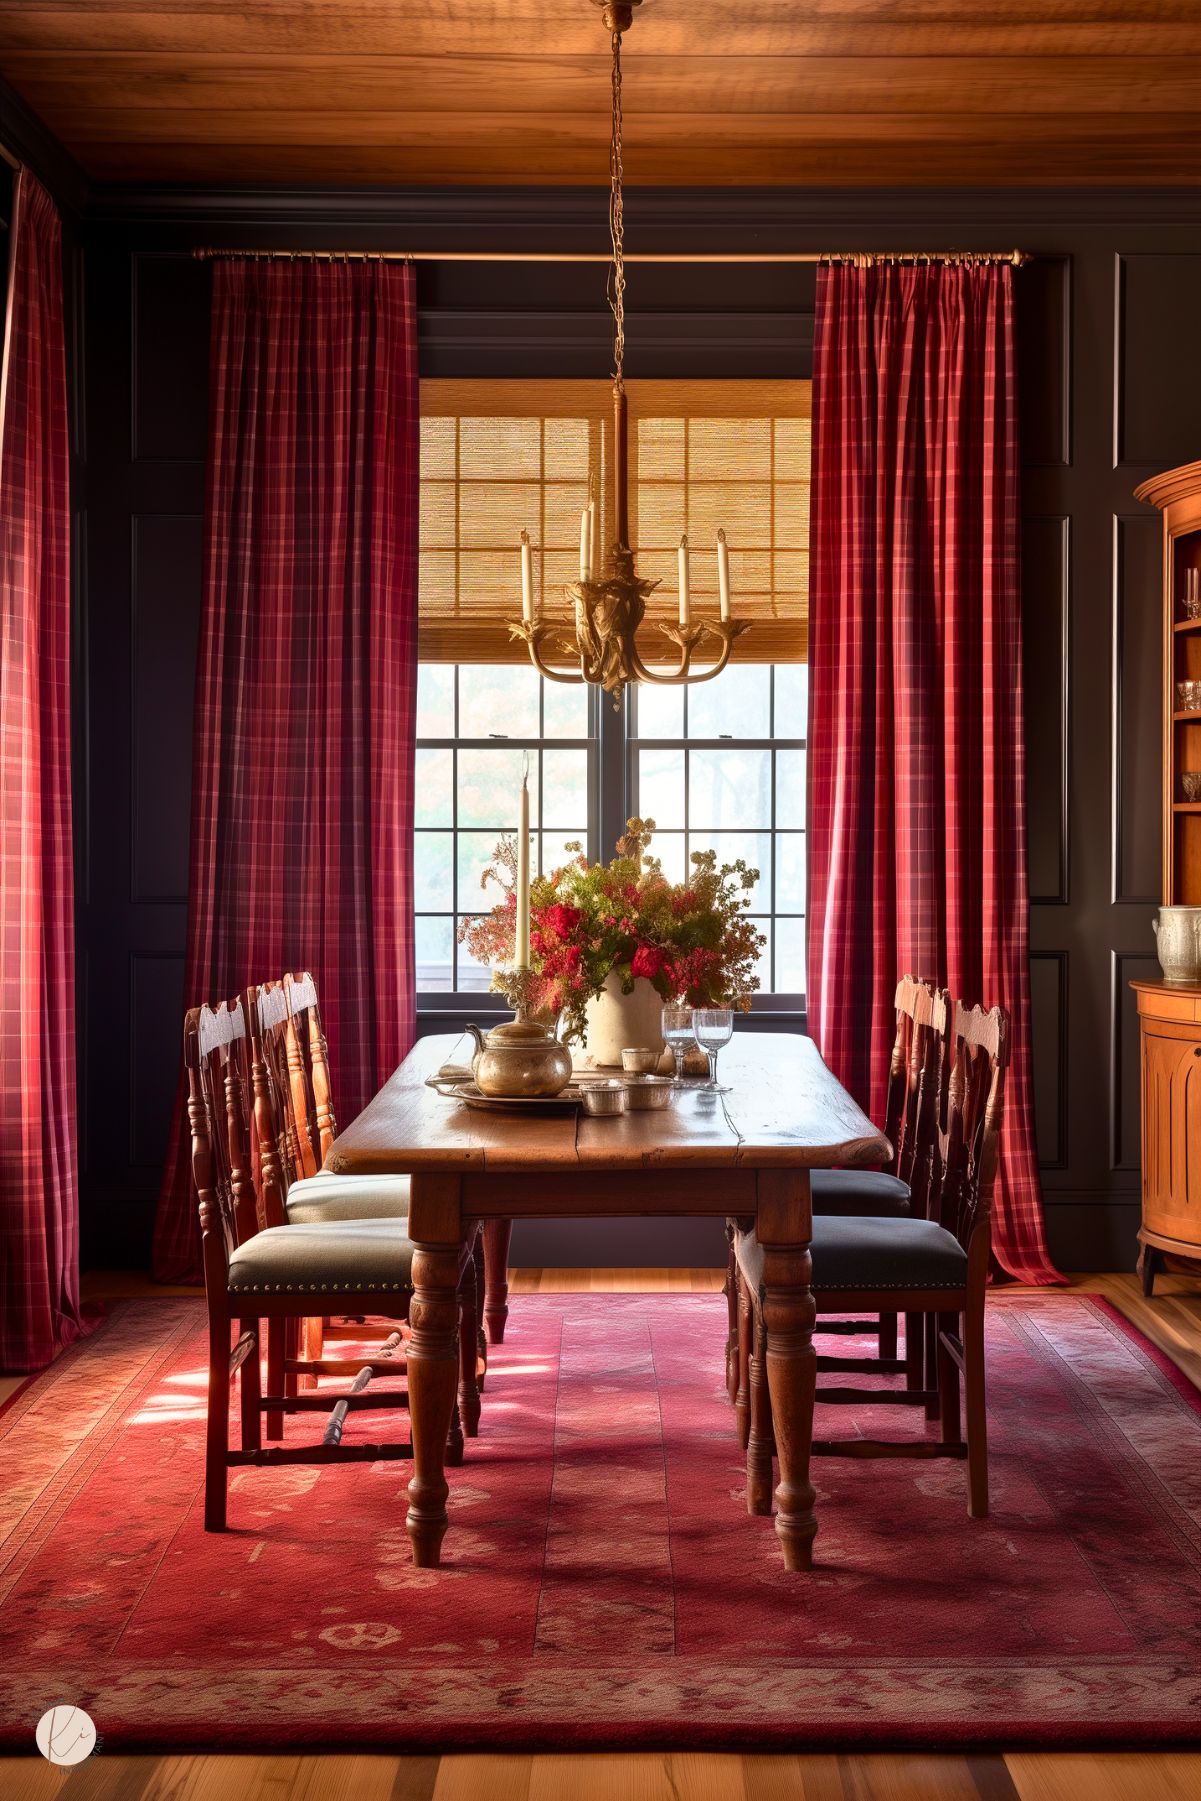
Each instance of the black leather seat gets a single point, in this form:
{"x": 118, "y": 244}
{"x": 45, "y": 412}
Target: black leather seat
{"x": 848, "y": 1192}
{"x": 872, "y": 1253}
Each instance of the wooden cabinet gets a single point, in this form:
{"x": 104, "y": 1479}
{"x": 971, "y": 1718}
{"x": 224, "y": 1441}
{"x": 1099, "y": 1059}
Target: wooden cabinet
{"x": 1170, "y": 1031}
{"x": 1177, "y": 494}
{"x": 1170, "y": 1013}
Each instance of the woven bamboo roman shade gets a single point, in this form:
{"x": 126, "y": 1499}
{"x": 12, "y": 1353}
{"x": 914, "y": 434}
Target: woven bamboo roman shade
{"x": 497, "y": 456}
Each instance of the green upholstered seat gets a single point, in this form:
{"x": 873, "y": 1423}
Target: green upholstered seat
{"x": 856, "y": 1191}
{"x": 334, "y": 1197}
{"x": 872, "y": 1253}
{"x": 346, "y": 1256}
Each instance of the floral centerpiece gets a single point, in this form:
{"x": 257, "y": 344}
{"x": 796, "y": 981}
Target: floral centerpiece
{"x": 691, "y": 940}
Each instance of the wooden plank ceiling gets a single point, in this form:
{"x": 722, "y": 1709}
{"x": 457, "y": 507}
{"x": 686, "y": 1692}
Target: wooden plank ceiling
{"x": 824, "y": 92}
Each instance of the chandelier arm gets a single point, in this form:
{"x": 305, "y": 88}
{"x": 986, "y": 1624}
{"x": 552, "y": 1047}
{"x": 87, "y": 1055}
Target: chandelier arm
{"x": 533, "y": 636}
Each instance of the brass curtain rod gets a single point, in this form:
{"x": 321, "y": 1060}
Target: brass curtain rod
{"x": 860, "y": 258}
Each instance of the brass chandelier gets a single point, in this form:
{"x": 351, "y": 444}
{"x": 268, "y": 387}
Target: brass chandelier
{"x": 609, "y": 600}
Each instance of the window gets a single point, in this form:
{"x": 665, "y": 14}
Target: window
{"x": 719, "y": 764}
{"x": 475, "y": 724}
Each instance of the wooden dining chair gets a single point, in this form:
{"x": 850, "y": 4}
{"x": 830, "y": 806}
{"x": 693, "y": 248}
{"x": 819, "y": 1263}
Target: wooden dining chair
{"x": 253, "y": 1272}
{"x": 286, "y": 1017}
{"x": 936, "y": 1267}
{"x": 902, "y": 1187}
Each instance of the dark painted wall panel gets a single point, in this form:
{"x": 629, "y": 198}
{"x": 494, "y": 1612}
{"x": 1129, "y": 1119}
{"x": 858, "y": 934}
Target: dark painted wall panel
{"x": 1159, "y": 419}
{"x": 1125, "y": 1074}
{"x": 1045, "y": 588}
{"x": 170, "y": 391}
{"x": 165, "y": 629}
{"x": 1048, "y": 1041}
{"x": 155, "y": 1035}
{"x": 1138, "y": 678}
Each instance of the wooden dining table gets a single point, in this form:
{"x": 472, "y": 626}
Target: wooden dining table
{"x": 744, "y": 1154}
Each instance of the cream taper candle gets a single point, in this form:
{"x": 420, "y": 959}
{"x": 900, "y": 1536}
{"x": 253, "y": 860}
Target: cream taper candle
{"x": 527, "y": 579}
{"x": 683, "y": 562}
{"x": 522, "y": 958}
{"x": 723, "y": 574}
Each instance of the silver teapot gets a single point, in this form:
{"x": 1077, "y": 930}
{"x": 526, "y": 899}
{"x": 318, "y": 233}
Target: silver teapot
{"x": 520, "y": 1060}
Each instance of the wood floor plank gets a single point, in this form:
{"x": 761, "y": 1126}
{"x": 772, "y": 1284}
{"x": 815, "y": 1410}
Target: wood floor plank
{"x": 1106, "y": 1776}
{"x": 483, "y": 1779}
{"x": 793, "y": 1779}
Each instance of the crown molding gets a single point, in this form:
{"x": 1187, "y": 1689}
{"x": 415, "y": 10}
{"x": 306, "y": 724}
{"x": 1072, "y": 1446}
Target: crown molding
{"x": 742, "y": 218}
{"x": 30, "y": 141}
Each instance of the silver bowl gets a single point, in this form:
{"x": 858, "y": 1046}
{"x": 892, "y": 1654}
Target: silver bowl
{"x": 638, "y": 1062}
{"x": 1190, "y": 781}
{"x": 645, "y": 1094}
{"x": 601, "y": 1100}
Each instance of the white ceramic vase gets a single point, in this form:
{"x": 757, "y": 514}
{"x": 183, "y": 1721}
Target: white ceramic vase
{"x": 617, "y": 1022}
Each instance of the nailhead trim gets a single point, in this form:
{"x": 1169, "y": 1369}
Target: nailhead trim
{"x": 318, "y": 1287}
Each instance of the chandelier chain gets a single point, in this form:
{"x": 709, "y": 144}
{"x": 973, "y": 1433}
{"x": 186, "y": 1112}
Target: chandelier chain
{"x": 617, "y": 274}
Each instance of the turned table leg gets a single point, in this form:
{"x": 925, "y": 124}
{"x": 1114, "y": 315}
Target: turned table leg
{"x": 497, "y": 1233}
{"x": 783, "y": 1227}
{"x": 433, "y": 1356}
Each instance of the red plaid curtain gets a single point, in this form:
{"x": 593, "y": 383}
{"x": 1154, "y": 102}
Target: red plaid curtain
{"x": 302, "y": 786}
{"x": 39, "y": 1211}
{"x": 917, "y": 821}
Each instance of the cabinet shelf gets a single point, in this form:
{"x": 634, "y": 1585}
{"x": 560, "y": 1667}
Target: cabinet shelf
{"x": 1186, "y": 806}
{"x": 1194, "y": 716}
{"x": 1188, "y": 625}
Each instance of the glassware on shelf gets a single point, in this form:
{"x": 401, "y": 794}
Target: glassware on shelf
{"x": 712, "y": 1027}
{"x": 678, "y": 1033}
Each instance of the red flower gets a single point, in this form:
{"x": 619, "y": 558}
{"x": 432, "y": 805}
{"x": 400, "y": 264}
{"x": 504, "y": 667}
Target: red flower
{"x": 647, "y": 961}
{"x": 562, "y": 920}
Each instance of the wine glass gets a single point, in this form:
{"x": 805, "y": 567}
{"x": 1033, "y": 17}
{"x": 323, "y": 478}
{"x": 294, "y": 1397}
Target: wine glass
{"x": 712, "y": 1027}
{"x": 677, "y": 1032}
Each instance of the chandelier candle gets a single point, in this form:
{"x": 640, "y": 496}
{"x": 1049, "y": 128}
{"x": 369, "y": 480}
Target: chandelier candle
{"x": 683, "y": 561}
{"x": 723, "y": 574}
{"x": 527, "y": 579}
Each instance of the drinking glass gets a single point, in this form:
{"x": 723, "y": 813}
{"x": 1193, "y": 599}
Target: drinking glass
{"x": 712, "y": 1027}
{"x": 677, "y": 1033}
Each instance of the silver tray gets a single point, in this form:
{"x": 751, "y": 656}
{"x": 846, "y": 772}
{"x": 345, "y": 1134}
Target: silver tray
{"x": 471, "y": 1096}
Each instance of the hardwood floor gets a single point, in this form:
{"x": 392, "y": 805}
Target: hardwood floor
{"x": 1172, "y": 1320}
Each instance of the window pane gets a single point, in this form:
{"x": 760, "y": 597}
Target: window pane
{"x": 564, "y": 711}
{"x": 435, "y": 700}
{"x": 433, "y": 853}
{"x": 498, "y": 447}
{"x": 669, "y": 848}
{"x": 433, "y": 802}
{"x": 555, "y": 853}
{"x": 792, "y": 700}
{"x": 490, "y": 788}
{"x": 432, "y": 939}
{"x": 790, "y": 956}
{"x": 661, "y": 786}
{"x": 498, "y": 698}
{"x": 753, "y": 847}
{"x": 564, "y": 786}
{"x": 790, "y": 872}
{"x": 658, "y": 712}
{"x": 734, "y": 704}
{"x": 729, "y": 788}
{"x": 476, "y": 851}
{"x": 472, "y": 975}
{"x": 790, "y": 788}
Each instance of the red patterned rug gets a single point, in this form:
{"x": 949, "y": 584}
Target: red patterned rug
{"x": 604, "y": 1585}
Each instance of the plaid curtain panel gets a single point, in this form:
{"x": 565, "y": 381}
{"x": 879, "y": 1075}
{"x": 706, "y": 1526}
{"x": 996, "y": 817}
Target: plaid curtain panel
{"x": 39, "y": 1208}
{"x": 917, "y": 824}
{"x": 302, "y": 801}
